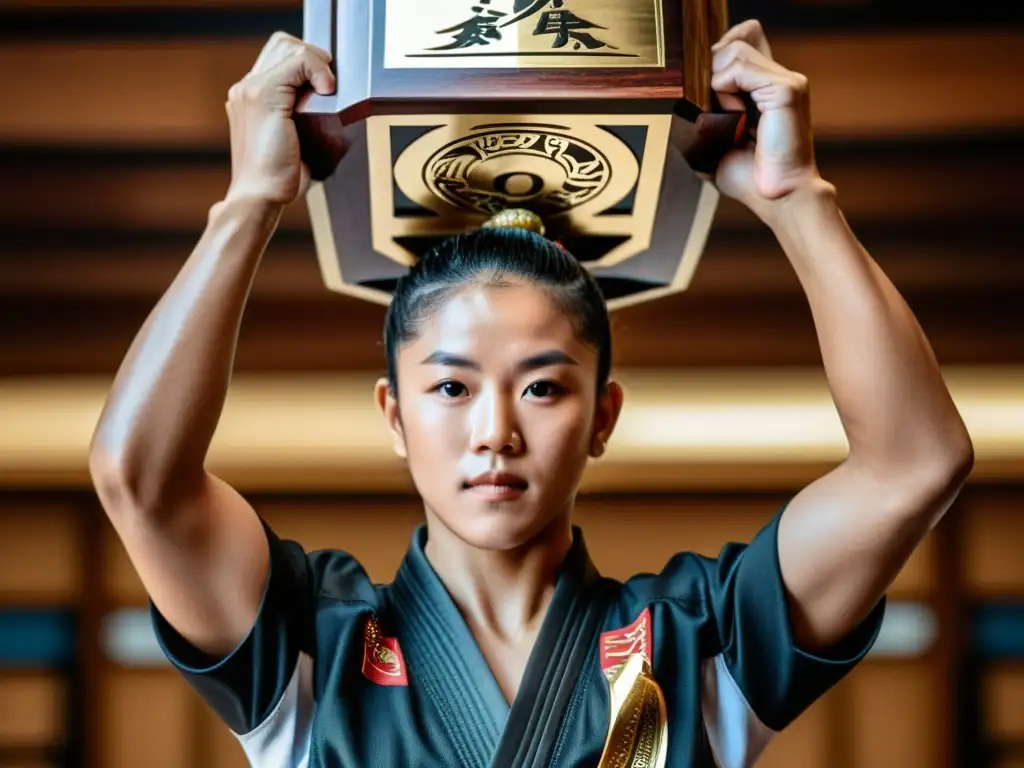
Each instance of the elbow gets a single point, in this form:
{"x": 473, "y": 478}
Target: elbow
{"x": 959, "y": 459}
{"x": 128, "y": 484}
{"x": 953, "y": 453}
{"x": 921, "y": 481}
{"x": 111, "y": 477}
{"x": 943, "y": 471}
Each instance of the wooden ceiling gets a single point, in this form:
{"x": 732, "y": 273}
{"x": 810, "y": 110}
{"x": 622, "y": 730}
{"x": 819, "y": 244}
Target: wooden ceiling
{"x": 113, "y": 147}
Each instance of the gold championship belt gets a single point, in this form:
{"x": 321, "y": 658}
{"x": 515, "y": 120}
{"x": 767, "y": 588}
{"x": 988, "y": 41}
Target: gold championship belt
{"x": 638, "y": 726}
{"x": 596, "y": 116}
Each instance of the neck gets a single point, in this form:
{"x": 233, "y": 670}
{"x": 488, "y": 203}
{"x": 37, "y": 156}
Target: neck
{"x": 502, "y": 592}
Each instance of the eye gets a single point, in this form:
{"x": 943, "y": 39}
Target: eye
{"x": 451, "y": 389}
{"x": 544, "y": 389}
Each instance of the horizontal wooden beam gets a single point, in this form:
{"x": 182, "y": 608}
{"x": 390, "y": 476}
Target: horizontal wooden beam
{"x": 680, "y": 430}
{"x": 71, "y": 304}
{"x": 923, "y": 263}
{"x": 171, "y": 93}
{"x": 729, "y": 325}
{"x": 336, "y": 334}
{"x": 50, "y": 190}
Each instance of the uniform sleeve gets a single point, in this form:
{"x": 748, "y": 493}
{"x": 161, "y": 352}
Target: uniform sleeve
{"x": 760, "y": 680}
{"x": 263, "y": 689}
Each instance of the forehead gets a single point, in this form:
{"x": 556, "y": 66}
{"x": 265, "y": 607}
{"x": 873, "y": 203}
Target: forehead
{"x": 506, "y": 320}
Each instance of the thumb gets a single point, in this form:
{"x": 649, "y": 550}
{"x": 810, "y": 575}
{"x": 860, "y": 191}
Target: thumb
{"x": 735, "y": 174}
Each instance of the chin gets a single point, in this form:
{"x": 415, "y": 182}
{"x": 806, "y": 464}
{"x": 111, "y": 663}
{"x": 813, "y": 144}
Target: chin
{"x": 497, "y": 527}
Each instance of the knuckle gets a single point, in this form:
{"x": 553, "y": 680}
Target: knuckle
{"x": 739, "y": 51}
{"x": 753, "y": 26}
{"x": 728, "y": 54}
{"x": 251, "y": 90}
{"x": 298, "y": 56}
{"x": 313, "y": 62}
{"x": 236, "y": 92}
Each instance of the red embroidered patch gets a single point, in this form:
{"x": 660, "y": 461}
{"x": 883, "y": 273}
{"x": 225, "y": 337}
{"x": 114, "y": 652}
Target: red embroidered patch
{"x": 619, "y": 644}
{"x": 382, "y": 658}
{"x": 741, "y": 128}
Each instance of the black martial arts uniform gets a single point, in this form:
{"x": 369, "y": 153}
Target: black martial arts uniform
{"x": 338, "y": 671}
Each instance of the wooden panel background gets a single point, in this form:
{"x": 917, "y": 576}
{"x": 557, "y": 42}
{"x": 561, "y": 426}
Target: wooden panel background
{"x": 113, "y": 147}
{"x": 40, "y": 555}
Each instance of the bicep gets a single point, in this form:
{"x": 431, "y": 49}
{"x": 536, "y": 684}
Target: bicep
{"x": 204, "y": 565}
{"x": 843, "y": 540}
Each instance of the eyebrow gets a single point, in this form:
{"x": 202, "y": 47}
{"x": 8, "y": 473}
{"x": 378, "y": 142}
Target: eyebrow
{"x": 541, "y": 360}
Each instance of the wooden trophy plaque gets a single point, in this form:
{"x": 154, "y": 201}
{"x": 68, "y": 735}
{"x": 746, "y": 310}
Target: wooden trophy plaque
{"x": 597, "y": 115}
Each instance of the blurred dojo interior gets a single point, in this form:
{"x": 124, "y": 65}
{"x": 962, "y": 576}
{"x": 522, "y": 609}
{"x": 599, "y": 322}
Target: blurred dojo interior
{"x": 113, "y": 145}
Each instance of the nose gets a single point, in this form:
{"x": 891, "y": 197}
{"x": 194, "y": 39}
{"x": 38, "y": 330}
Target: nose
{"x": 495, "y": 426}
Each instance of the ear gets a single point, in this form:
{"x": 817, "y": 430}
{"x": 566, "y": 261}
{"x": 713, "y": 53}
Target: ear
{"x": 388, "y": 404}
{"x": 607, "y": 416}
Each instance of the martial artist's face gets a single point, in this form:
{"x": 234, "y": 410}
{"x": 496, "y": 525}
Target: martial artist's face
{"x": 497, "y": 413}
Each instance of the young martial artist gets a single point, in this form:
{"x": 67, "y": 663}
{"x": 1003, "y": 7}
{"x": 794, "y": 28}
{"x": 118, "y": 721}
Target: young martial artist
{"x": 499, "y": 643}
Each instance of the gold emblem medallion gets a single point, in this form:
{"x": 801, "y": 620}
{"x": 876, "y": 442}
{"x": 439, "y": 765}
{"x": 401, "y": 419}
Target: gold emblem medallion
{"x": 588, "y": 175}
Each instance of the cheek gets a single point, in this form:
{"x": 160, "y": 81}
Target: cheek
{"x": 431, "y": 429}
{"x": 558, "y": 434}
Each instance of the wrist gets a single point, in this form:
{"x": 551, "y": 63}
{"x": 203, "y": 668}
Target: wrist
{"x": 243, "y": 208}
{"x": 814, "y": 197}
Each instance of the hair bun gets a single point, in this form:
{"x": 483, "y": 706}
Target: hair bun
{"x": 516, "y": 218}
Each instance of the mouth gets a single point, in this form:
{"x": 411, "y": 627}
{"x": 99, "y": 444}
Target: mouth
{"x": 497, "y": 486}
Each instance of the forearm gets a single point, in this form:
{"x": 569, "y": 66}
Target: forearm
{"x": 883, "y": 375}
{"x": 159, "y": 420}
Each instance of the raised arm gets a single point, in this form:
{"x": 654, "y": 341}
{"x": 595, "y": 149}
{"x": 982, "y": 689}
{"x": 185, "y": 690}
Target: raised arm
{"x": 845, "y": 537}
{"x": 198, "y": 547}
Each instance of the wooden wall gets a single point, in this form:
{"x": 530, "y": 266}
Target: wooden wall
{"x": 113, "y": 147}
{"x": 117, "y": 148}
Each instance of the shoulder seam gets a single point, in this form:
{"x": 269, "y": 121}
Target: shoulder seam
{"x": 686, "y": 601}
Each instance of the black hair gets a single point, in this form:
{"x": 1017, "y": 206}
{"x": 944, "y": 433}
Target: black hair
{"x": 489, "y": 255}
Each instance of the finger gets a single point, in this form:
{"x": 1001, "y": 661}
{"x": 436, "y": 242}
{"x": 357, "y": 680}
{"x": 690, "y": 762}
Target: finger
{"x": 281, "y": 46}
{"x": 769, "y": 86}
{"x": 274, "y": 51}
{"x": 740, "y": 50}
{"x": 304, "y": 66}
{"x": 325, "y": 56}
{"x": 750, "y": 32}
{"x": 741, "y": 77}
